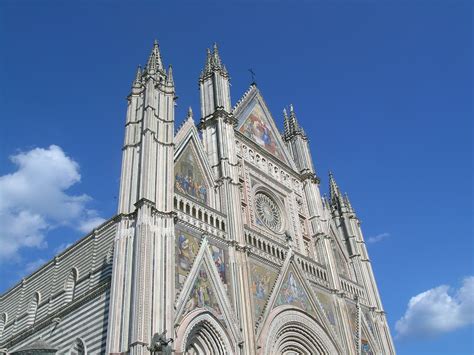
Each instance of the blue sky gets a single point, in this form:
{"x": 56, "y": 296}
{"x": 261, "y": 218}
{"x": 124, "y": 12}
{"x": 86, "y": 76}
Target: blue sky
{"x": 384, "y": 89}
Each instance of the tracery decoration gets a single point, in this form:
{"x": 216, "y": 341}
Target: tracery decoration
{"x": 268, "y": 212}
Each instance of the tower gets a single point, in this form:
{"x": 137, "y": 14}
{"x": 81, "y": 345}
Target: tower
{"x": 142, "y": 289}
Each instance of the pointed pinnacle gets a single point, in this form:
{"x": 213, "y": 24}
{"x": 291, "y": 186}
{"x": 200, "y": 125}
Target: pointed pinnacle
{"x": 154, "y": 61}
{"x": 169, "y": 76}
{"x": 333, "y": 188}
{"x": 348, "y": 202}
{"x": 138, "y": 77}
{"x": 217, "y": 59}
{"x": 286, "y": 122}
{"x": 190, "y": 112}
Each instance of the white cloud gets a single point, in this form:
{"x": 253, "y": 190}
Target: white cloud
{"x": 378, "y": 237}
{"x": 438, "y": 310}
{"x": 33, "y": 200}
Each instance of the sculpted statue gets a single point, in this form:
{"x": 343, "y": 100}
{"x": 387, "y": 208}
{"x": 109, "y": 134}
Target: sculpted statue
{"x": 160, "y": 344}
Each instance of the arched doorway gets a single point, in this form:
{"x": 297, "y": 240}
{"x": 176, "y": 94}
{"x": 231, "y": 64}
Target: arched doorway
{"x": 201, "y": 335}
{"x": 290, "y": 331}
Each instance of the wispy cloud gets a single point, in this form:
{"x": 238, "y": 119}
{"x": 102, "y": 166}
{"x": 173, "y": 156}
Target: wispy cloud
{"x": 34, "y": 200}
{"x": 378, "y": 238}
{"x": 438, "y": 310}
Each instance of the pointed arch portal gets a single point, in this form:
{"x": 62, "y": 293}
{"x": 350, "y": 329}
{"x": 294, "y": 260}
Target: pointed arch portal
{"x": 203, "y": 335}
{"x": 292, "y": 332}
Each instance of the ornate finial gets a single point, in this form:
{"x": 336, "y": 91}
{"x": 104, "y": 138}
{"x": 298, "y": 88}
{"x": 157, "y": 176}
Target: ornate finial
{"x": 217, "y": 59}
{"x": 286, "y": 123}
{"x": 291, "y": 108}
{"x": 138, "y": 77}
{"x": 348, "y": 203}
{"x": 169, "y": 76}
{"x": 190, "y": 112}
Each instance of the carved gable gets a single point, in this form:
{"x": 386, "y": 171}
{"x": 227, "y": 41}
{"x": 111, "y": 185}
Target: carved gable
{"x": 257, "y": 124}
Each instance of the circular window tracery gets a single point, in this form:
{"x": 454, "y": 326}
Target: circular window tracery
{"x": 268, "y": 212}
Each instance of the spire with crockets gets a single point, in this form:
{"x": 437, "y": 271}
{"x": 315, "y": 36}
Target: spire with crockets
{"x": 337, "y": 200}
{"x": 154, "y": 63}
{"x": 291, "y": 125}
{"x": 213, "y": 63}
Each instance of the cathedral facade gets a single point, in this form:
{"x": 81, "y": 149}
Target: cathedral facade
{"x": 222, "y": 243}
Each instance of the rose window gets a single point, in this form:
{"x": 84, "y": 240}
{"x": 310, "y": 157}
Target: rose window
{"x": 268, "y": 212}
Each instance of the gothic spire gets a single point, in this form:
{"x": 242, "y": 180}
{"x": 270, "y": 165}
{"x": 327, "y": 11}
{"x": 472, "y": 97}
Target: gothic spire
{"x": 334, "y": 192}
{"x": 154, "y": 61}
{"x": 213, "y": 63}
{"x": 292, "y": 126}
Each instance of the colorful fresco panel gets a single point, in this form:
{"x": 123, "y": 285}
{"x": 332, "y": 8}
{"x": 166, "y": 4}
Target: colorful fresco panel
{"x": 258, "y": 130}
{"x": 326, "y": 303}
{"x": 220, "y": 257}
{"x": 365, "y": 348}
{"x": 202, "y": 294}
{"x": 369, "y": 320}
{"x": 263, "y": 280}
{"x": 187, "y": 248}
{"x": 292, "y": 292}
{"x": 189, "y": 179}
{"x": 353, "y": 319}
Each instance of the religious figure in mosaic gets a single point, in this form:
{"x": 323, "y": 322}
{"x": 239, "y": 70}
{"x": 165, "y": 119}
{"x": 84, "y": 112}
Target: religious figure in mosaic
{"x": 262, "y": 283}
{"x": 187, "y": 247}
{"x": 188, "y": 177}
{"x": 202, "y": 294}
{"x": 292, "y": 292}
{"x": 219, "y": 259}
{"x": 256, "y": 128}
{"x": 326, "y": 303}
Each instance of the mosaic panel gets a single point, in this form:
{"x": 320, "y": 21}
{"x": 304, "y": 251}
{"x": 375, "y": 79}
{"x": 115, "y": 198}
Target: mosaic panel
{"x": 262, "y": 279}
{"x": 327, "y": 304}
{"x": 352, "y": 315}
{"x": 369, "y": 320}
{"x": 292, "y": 292}
{"x": 340, "y": 260}
{"x": 202, "y": 294}
{"x": 187, "y": 247}
{"x": 189, "y": 179}
{"x": 220, "y": 257}
{"x": 258, "y": 130}
{"x": 365, "y": 348}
